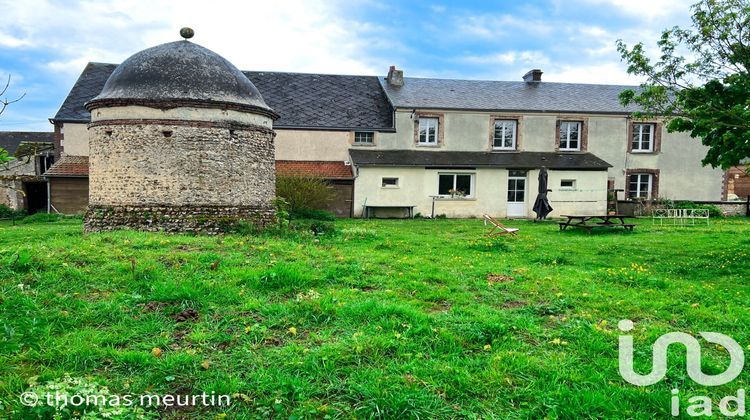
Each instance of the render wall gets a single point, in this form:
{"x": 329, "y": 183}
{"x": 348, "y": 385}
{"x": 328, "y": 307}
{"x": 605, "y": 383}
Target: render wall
{"x": 681, "y": 174}
{"x": 418, "y": 185}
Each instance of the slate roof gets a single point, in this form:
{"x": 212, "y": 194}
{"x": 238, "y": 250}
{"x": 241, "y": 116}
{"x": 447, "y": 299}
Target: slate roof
{"x": 510, "y": 160}
{"x": 10, "y": 140}
{"x": 327, "y": 170}
{"x": 302, "y": 100}
{"x": 69, "y": 166}
{"x": 488, "y": 95}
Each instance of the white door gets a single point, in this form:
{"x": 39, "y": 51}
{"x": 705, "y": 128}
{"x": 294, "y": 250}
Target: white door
{"x": 517, "y": 194}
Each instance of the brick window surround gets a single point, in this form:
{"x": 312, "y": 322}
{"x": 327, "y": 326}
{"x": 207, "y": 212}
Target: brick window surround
{"x": 656, "y": 140}
{"x": 584, "y": 134}
{"x": 441, "y": 128}
{"x": 654, "y": 181}
{"x": 519, "y": 129}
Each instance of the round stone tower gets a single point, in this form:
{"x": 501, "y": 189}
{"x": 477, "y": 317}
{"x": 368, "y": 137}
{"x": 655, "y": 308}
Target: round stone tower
{"x": 180, "y": 140}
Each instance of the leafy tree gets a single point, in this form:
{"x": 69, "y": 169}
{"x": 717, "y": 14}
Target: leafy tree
{"x": 700, "y": 83}
{"x": 4, "y": 102}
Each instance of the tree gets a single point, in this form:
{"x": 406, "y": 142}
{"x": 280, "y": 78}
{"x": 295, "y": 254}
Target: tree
{"x": 700, "y": 83}
{"x": 4, "y": 102}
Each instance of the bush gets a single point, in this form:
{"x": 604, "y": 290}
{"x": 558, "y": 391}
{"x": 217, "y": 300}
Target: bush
{"x": 42, "y": 218}
{"x": 713, "y": 211}
{"x": 8, "y": 213}
{"x": 304, "y": 193}
{"x": 314, "y": 214}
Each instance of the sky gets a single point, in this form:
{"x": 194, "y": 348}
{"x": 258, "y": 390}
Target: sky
{"x": 44, "y": 45}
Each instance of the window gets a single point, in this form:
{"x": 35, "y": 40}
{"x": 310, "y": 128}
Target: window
{"x": 640, "y": 186}
{"x": 568, "y": 184}
{"x": 643, "y": 138}
{"x": 364, "y": 137}
{"x": 390, "y": 182}
{"x": 428, "y": 131}
{"x": 570, "y": 135}
{"x": 505, "y": 135}
{"x": 456, "y": 185}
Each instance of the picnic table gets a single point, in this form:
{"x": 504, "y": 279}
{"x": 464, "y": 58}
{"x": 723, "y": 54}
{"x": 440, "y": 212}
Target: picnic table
{"x": 582, "y": 222}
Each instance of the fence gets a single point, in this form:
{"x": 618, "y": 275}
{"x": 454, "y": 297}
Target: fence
{"x": 680, "y": 217}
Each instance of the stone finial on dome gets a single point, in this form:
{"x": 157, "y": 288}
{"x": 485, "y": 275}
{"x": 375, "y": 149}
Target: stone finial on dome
{"x": 187, "y": 33}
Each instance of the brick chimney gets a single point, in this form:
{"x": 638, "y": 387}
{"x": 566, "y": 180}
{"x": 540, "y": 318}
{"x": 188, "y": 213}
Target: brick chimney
{"x": 395, "y": 77}
{"x": 534, "y": 75}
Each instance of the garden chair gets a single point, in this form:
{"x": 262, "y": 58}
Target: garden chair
{"x": 498, "y": 229}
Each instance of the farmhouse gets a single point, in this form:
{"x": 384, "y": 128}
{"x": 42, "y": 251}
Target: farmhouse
{"x": 460, "y": 148}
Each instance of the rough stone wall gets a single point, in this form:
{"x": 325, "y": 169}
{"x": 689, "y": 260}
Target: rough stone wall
{"x": 155, "y": 164}
{"x": 179, "y": 177}
{"x": 197, "y": 219}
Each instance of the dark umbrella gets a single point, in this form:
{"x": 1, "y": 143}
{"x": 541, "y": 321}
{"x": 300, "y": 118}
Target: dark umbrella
{"x": 541, "y": 206}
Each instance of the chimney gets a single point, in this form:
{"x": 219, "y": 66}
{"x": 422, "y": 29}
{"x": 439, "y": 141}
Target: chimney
{"x": 395, "y": 77}
{"x": 534, "y": 75}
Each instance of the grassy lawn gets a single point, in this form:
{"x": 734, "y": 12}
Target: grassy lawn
{"x": 389, "y": 318}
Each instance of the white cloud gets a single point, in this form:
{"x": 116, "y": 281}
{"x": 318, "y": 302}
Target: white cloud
{"x": 292, "y": 35}
{"x": 646, "y": 9}
{"x": 491, "y": 26}
{"x": 531, "y": 58}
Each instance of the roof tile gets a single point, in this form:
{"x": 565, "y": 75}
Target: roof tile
{"x": 69, "y": 166}
{"x": 327, "y": 170}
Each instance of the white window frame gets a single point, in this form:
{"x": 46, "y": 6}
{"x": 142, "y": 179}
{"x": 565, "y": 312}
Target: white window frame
{"x": 637, "y": 193}
{"x": 571, "y": 187}
{"x": 425, "y": 123}
{"x": 384, "y": 185}
{"x": 366, "y": 143}
{"x": 513, "y": 128}
{"x": 455, "y": 178}
{"x": 566, "y": 140}
{"x": 638, "y": 138}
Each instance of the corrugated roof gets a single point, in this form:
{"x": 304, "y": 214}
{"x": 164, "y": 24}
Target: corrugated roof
{"x": 510, "y": 160}
{"x": 489, "y": 95}
{"x": 10, "y": 140}
{"x": 69, "y": 166}
{"x": 327, "y": 170}
{"x": 302, "y": 100}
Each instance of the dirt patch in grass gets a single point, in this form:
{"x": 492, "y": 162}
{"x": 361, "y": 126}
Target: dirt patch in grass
{"x": 499, "y": 278}
{"x": 186, "y": 315}
{"x": 512, "y": 304}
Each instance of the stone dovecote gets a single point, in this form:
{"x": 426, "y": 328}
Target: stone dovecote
{"x": 180, "y": 140}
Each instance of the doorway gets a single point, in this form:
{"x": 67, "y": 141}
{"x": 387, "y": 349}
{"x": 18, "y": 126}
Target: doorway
{"x": 517, "y": 194}
{"x": 36, "y": 196}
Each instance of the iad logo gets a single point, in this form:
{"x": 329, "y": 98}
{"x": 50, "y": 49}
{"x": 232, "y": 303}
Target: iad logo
{"x": 700, "y": 405}
{"x": 659, "y": 367}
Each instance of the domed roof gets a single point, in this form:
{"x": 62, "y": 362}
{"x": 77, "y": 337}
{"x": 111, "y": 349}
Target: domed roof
{"x": 178, "y": 74}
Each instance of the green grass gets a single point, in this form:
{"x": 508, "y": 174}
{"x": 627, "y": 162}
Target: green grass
{"x": 392, "y": 318}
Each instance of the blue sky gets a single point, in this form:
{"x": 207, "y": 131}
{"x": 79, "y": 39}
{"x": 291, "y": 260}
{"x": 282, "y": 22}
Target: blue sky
{"x": 44, "y": 45}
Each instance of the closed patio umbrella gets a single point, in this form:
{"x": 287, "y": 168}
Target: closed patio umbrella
{"x": 541, "y": 205}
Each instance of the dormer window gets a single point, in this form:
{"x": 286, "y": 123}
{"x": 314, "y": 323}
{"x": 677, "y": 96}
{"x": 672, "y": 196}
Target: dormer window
{"x": 428, "y": 131}
{"x": 364, "y": 137}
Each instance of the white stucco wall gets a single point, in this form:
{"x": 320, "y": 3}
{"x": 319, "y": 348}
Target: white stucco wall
{"x": 682, "y": 176}
{"x": 75, "y": 139}
{"x": 418, "y": 185}
{"x": 313, "y": 145}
